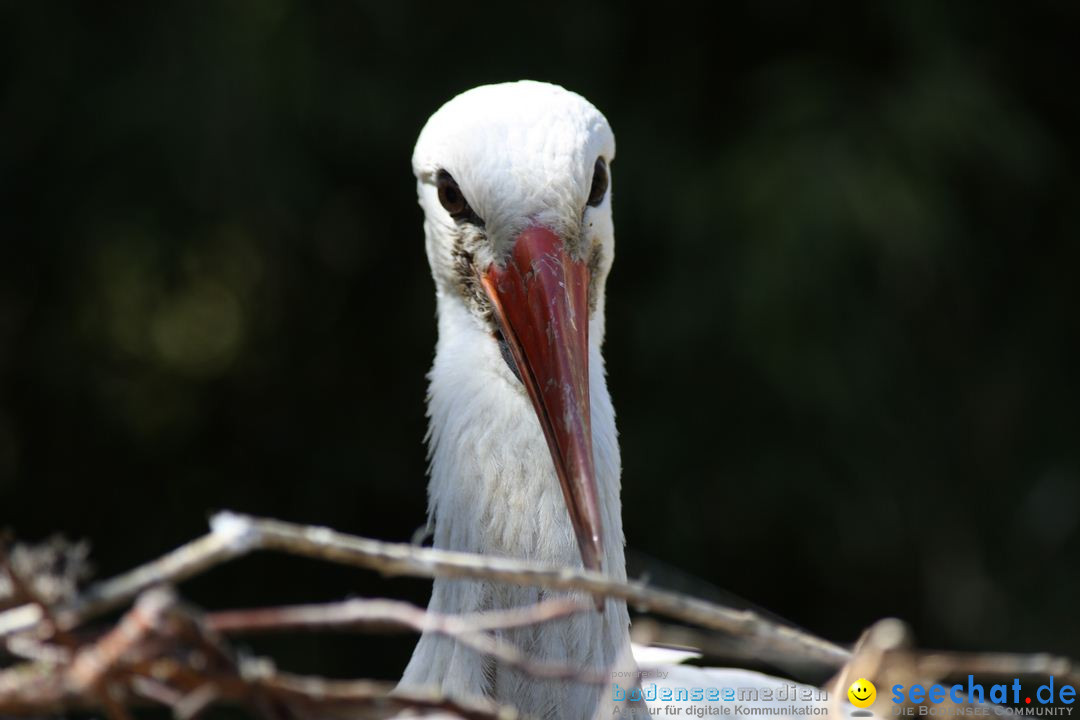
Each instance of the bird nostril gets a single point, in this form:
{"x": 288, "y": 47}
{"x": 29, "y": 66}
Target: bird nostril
{"x": 507, "y": 354}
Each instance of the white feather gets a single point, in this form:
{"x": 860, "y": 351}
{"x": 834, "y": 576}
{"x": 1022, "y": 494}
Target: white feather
{"x": 522, "y": 153}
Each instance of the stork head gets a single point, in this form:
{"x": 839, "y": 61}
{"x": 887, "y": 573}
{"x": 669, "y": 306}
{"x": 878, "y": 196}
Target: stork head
{"x": 514, "y": 180}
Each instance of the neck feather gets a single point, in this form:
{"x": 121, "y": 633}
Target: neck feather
{"x": 493, "y": 485}
{"x": 493, "y": 490}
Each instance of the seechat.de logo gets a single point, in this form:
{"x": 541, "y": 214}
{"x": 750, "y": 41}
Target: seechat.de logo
{"x": 1000, "y": 694}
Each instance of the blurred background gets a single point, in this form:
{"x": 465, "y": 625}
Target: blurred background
{"x": 842, "y": 331}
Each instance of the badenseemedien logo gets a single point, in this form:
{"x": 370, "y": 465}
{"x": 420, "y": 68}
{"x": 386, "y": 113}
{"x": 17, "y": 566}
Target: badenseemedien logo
{"x": 1052, "y": 699}
{"x": 675, "y": 700}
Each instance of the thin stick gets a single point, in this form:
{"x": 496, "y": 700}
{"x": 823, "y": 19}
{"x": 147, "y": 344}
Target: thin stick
{"x": 391, "y": 613}
{"x": 939, "y": 664}
{"x": 115, "y": 670}
{"x": 233, "y": 535}
{"x": 466, "y": 629}
{"x": 367, "y": 693}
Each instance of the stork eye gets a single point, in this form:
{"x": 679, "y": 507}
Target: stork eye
{"x": 599, "y": 183}
{"x": 453, "y": 199}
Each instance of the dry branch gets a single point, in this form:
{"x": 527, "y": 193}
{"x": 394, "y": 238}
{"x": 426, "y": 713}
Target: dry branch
{"x": 469, "y": 630}
{"x": 233, "y": 535}
{"x": 163, "y": 653}
{"x": 370, "y": 614}
{"x": 167, "y": 653}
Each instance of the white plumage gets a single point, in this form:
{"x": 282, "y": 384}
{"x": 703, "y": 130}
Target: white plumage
{"x": 525, "y": 158}
{"x": 522, "y": 154}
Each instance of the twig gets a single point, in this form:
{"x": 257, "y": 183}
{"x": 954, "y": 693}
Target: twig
{"x": 391, "y": 613}
{"x": 151, "y": 653}
{"x": 22, "y": 589}
{"x": 348, "y": 695}
{"x": 169, "y": 654}
{"x": 466, "y": 629}
{"x": 715, "y": 646}
{"x": 28, "y": 647}
{"x": 946, "y": 664}
{"x": 188, "y": 560}
{"x": 233, "y": 535}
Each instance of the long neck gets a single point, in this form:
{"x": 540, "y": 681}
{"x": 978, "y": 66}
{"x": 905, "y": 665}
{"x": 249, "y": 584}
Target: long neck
{"x": 493, "y": 485}
{"x": 494, "y": 490}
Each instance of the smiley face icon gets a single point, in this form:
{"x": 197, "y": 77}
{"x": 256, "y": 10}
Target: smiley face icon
{"x": 862, "y": 693}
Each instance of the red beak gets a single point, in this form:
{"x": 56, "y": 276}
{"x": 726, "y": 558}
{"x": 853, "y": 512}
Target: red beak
{"x": 541, "y": 301}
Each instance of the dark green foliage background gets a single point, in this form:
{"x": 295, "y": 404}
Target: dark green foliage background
{"x": 842, "y": 333}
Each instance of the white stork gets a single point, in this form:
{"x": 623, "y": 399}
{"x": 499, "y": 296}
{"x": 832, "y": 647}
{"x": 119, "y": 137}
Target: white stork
{"x": 514, "y": 180}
